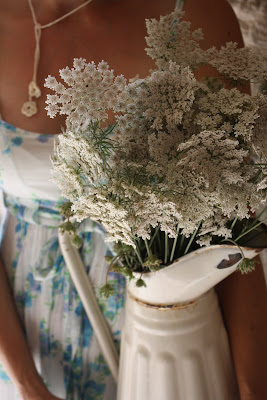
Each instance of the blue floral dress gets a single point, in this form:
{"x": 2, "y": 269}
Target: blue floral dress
{"x": 64, "y": 347}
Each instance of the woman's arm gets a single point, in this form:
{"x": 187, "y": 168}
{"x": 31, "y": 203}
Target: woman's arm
{"x": 243, "y": 300}
{"x": 14, "y": 352}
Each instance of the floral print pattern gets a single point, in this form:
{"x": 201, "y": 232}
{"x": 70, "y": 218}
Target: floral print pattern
{"x": 57, "y": 328}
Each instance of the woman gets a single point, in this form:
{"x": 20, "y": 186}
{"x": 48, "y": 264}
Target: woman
{"x": 59, "y": 336}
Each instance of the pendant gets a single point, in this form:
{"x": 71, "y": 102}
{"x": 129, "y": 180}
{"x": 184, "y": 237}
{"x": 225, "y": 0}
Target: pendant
{"x": 29, "y": 108}
{"x": 34, "y": 90}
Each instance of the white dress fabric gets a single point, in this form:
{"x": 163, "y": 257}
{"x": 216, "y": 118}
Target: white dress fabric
{"x": 58, "y": 331}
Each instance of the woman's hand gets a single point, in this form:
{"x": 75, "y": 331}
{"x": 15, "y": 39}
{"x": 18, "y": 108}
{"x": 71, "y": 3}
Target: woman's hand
{"x": 14, "y": 351}
{"x": 48, "y": 397}
{"x": 44, "y": 394}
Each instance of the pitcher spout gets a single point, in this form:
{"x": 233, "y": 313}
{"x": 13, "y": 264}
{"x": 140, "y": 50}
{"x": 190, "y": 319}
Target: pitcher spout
{"x": 191, "y": 275}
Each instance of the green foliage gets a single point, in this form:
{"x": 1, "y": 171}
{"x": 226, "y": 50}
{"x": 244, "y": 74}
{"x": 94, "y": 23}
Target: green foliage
{"x": 107, "y": 290}
{"x": 140, "y": 283}
{"x": 126, "y": 255}
{"x": 65, "y": 209}
{"x": 122, "y": 269}
{"x": 77, "y": 241}
{"x": 67, "y": 226}
{"x": 100, "y": 139}
{"x": 127, "y": 262}
{"x": 153, "y": 263}
{"x": 127, "y": 272}
{"x": 246, "y": 265}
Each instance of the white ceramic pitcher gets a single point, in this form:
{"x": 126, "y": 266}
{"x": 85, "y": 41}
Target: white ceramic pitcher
{"x": 174, "y": 344}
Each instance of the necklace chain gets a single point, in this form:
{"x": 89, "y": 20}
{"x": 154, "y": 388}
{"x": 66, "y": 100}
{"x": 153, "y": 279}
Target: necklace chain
{"x": 29, "y": 108}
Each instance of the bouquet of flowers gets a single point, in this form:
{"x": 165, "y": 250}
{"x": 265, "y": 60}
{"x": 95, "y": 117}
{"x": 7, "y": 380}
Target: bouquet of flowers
{"x": 166, "y": 163}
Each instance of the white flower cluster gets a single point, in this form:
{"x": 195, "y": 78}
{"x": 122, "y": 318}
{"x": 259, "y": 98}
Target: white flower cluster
{"x": 172, "y": 39}
{"x": 239, "y": 63}
{"x": 82, "y": 176}
{"x": 183, "y": 155}
{"x": 162, "y": 98}
{"x": 230, "y": 110}
{"x": 89, "y": 93}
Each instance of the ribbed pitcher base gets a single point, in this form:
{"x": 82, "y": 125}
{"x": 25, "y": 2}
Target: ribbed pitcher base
{"x": 176, "y": 353}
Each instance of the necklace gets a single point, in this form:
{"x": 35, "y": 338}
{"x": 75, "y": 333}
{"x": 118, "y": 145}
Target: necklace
{"x": 29, "y": 108}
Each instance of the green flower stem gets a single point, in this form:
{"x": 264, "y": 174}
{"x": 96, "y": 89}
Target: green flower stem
{"x": 159, "y": 243}
{"x": 114, "y": 260}
{"x": 139, "y": 257}
{"x": 192, "y": 238}
{"x": 233, "y": 223}
{"x": 258, "y": 216}
{"x": 127, "y": 261}
{"x": 166, "y": 249}
{"x": 153, "y": 237}
{"x": 181, "y": 245}
{"x": 174, "y": 244}
{"x": 147, "y": 248}
{"x": 236, "y": 244}
{"x": 136, "y": 249}
{"x": 110, "y": 267}
{"x": 249, "y": 230}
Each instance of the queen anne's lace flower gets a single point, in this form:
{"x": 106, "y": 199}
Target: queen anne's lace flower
{"x": 90, "y": 92}
{"x": 240, "y": 63}
{"x": 170, "y": 39}
{"x": 182, "y": 155}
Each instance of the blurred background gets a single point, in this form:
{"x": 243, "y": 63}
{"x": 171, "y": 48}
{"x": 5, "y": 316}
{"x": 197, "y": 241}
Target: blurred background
{"x": 252, "y": 16}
